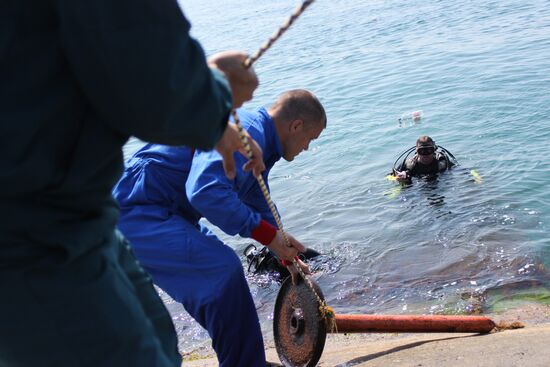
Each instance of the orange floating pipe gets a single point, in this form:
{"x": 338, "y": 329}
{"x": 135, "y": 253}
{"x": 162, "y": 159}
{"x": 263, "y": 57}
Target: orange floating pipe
{"x": 413, "y": 324}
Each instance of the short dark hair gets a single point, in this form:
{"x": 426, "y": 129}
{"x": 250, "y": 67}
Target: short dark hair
{"x": 425, "y": 141}
{"x": 300, "y": 104}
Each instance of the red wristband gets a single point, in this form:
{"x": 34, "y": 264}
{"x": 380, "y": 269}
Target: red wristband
{"x": 264, "y": 233}
{"x": 287, "y": 263}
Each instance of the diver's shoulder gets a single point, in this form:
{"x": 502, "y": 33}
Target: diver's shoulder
{"x": 410, "y": 163}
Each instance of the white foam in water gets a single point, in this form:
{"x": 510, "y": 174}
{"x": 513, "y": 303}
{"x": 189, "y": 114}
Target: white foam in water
{"x": 414, "y": 116}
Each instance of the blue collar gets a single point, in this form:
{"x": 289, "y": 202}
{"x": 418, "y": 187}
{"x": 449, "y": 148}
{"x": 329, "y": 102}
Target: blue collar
{"x": 272, "y": 138}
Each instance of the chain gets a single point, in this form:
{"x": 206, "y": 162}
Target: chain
{"x": 326, "y": 311}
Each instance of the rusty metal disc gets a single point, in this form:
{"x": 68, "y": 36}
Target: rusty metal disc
{"x": 298, "y": 326}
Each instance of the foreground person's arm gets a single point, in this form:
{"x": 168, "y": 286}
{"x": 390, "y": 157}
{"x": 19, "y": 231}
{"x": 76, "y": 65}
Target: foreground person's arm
{"x": 144, "y": 75}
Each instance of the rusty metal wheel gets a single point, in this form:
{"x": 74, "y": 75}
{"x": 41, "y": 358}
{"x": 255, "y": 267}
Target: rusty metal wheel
{"x": 298, "y": 326}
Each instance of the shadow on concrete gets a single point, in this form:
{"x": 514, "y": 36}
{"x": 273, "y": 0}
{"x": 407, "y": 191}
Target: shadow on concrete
{"x": 370, "y": 357}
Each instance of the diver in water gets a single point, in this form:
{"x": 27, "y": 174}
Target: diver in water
{"x": 428, "y": 161}
{"x": 263, "y": 261}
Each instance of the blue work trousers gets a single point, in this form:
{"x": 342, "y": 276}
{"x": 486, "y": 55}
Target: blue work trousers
{"x": 198, "y": 270}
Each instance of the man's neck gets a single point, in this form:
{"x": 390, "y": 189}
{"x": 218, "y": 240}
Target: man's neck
{"x": 279, "y": 128}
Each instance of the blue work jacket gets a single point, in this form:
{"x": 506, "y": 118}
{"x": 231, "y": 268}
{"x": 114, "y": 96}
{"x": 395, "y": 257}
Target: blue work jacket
{"x": 193, "y": 184}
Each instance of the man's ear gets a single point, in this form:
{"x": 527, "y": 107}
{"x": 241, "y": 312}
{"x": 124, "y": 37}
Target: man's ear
{"x": 296, "y": 125}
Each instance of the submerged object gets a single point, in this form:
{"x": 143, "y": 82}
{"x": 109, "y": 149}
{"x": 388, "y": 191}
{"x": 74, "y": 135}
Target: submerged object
{"x": 264, "y": 261}
{"x": 476, "y": 176}
{"x": 394, "y": 192}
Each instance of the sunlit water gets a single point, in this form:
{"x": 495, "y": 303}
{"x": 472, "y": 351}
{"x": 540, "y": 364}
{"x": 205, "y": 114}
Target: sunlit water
{"x": 480, "y": 72}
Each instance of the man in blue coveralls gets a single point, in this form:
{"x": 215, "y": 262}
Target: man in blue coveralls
{"x": 77, "y": 78}
{"x": 166, "y": 190}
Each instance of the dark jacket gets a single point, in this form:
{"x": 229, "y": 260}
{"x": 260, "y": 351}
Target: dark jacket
{"x": 77, "y": 78}
{"x": 414, "y": 168}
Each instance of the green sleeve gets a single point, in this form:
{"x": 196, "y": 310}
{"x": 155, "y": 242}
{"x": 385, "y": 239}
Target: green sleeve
{"x": 142, "y": 73}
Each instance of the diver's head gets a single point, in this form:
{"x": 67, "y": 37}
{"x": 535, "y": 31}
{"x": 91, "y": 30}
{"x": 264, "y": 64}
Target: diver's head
{"x": 299, "y": 118}
{"x": 425, "y": 149}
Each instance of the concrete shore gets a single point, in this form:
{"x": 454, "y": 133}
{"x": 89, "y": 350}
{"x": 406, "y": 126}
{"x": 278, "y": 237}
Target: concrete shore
{"x": 520, "y": 347}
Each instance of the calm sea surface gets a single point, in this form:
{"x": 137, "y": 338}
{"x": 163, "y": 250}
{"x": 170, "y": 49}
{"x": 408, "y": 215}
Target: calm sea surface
{"x": 480, "y": 73}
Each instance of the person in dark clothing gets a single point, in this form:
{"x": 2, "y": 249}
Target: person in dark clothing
{"x": 427, "y": 162}
{"x": 77, "y": 78}
{"x": 263, "y": 261}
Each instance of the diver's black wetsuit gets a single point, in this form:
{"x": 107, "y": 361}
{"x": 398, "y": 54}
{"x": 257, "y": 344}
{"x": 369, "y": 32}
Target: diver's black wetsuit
{"x": 414, "y": 168}
{"x": 264, "y": 261}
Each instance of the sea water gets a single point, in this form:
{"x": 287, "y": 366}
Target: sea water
{"x": 480, "y": 74}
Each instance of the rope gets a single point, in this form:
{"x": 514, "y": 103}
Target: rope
{"x": 326, "y": 312}
{"x": 282, "y": 29}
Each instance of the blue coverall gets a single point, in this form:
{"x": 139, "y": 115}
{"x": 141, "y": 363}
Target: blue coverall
{"x": 77, "y": 78}
{"x": 163, "y": 194}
